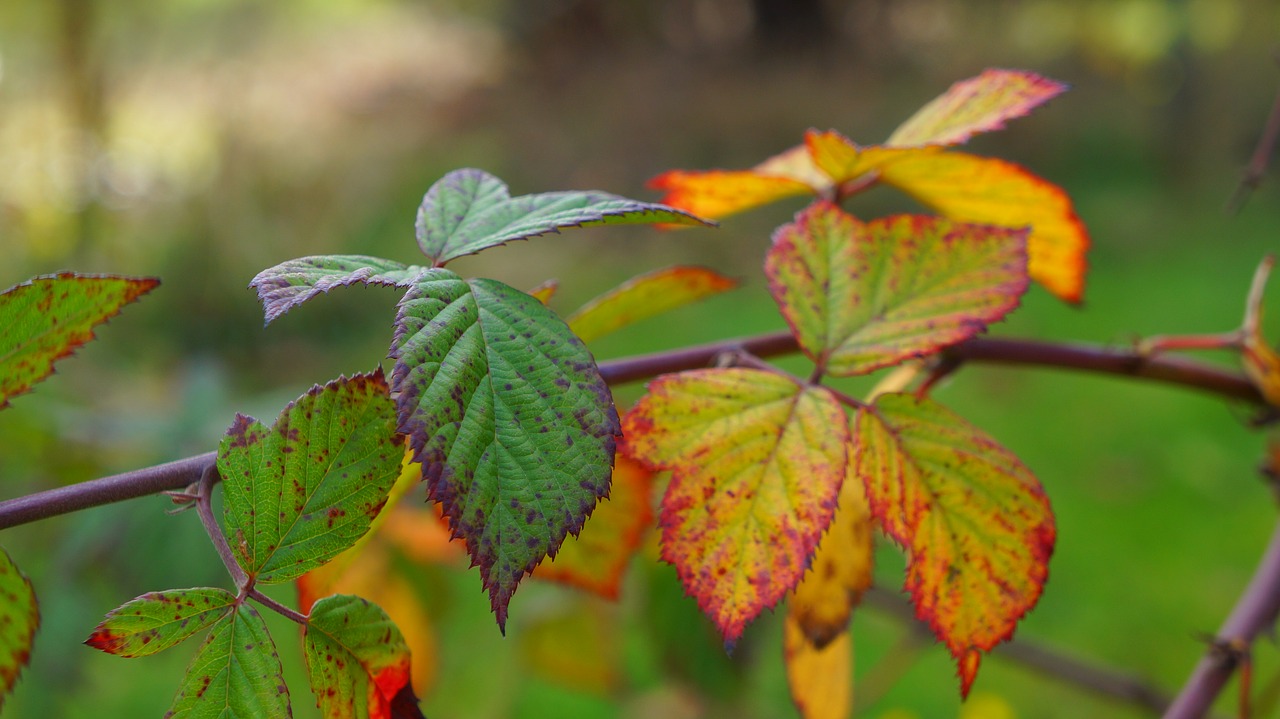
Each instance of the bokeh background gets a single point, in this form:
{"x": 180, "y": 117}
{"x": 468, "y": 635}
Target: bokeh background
{"x": 204, "y": 140}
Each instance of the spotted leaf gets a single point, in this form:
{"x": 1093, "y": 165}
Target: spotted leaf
{"x": 358, "y": 662}
{"x": 159, "y": 620}
{"x": 289, "y": 284}
{"x": 863, "y": 296}
{"x": 302, "y": 491}
{"x": 19, "y": 620}
{"x": 756, "y": 463}
{"x": 45, "y": 319}
{"x": 236, "y": 673}
{"x": 974, "y": 520}
{"x": 508, "y": 415}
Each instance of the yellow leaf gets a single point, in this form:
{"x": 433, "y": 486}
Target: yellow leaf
{"x": 980, "y": 189}
{"x": 840, "y": 572}
{"x": 821, "y": 679}
{"x": 645, "y": 296}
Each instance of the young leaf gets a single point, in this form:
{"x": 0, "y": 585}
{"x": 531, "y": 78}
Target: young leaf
{"x": 820, "y": 677}
{"x": 596, "y": 559}
{"x": 974, "y": 519}
{"x": 236, "y": 673}
{"x": 45, "y": 319}
{"x": 508, "y": 414}
{"x": 19, "y": 620}
{"x": 979, "y": 104}
{"x": 645, "y": 296}
{"x": 863, "y": 296}
{"x": 357, "y": 661}
{"x": 840, "y": 572}
{"x": 756, "y": 463}
{"x": 1260, "y": 359}
{"x": 289, "y": 284}
{"x": 159, "y": 620}
{"x": 302, "y": 491}
{"x": 467, "y": 211}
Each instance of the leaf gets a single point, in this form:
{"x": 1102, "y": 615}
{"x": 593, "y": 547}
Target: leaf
{"x": 46, "y": 318}
{"x": 979, "y": 104}
{"x": 508, "y": 414}
{"x": 236, "y": 673}
{"x": 576, "y": 644}
{"x": 756, "y": 462}
{"x": 596, "y": 559}
{"x": 19, "y": 620}
{"x": 720, "y": 193}
{"x": 840, "y": 571}
{"x": 159, "y": 620}
{"x": 357, "y": 661}
{"x": 302, "y": 491}
{"x": 645, "y": 296}
{"x": 859, "y": 297}
{"x": 468, "y": 210}
{"x": 974, "y": 519}
{"x": 545, "y": 291}
{"x": 969, "y": 188}
{"x": 289, "y": 284}
{"x": 820, "y": 677}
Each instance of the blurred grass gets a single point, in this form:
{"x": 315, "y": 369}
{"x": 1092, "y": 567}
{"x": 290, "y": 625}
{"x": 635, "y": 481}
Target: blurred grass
{"x": 313, "y": 128}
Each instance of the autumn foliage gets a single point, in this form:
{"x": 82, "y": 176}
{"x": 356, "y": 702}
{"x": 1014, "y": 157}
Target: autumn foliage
{"x": 773, "y": 486}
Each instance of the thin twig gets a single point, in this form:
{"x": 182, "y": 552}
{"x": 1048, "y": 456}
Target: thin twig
{"x": 1261, "y": 158}
{"x": 1041, "y": 659}
{"x": 1254, "y": 612}
{"x": 272, "y": 604}
{"x": 204, "y": 507}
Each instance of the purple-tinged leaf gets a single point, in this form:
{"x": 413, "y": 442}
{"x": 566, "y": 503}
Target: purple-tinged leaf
{"x": 304, "y": 490}
{"x": 289, "y": 284}
{"x": 158, "y": 620}
{"x": 236, "y": 674}
{"x": 19, "y": 619}
{"x": 45, "y": 319}
{"x": 469, "y": 210}
{"x": 508, "y": 414}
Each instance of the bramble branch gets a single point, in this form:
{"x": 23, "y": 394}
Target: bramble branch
{"x": 1128, "y": 362}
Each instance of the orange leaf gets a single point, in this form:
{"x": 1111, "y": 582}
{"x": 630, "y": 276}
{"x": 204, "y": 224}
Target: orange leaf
{"x": 717, "y": 193}
{"x": 980, "y": 189}
{"x": 840, "y": 572}
{"x": 820, "y": 677}
{"x": 645, "y": 296}
{"x": 979, "y": 104}
{"x": 596, "y": 559}
{"x": 756, "y": 463}
{"x": 545, "y": 291}
{"x": 974, "y": 519}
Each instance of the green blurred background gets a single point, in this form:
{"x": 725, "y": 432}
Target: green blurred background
{"x": 204, "y": 140}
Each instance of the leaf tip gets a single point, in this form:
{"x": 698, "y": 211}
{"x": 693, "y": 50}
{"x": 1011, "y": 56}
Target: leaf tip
{"x": 967, "y": 668}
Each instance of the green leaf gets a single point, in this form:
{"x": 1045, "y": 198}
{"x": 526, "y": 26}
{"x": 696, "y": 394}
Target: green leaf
{"x": 859, "y": 297}
{"x": 159, "y": 620}
{"x": 236, "y": 674}
{"x": 289, "y": 284}
{"x": 468, "y": 210}
{"x": 304, "y": 490}
{"x": 357, "y": 661}
{"x": 45, "y": 319}
{"x": 19, "y": 619}
{"x": 508, "y": 415}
